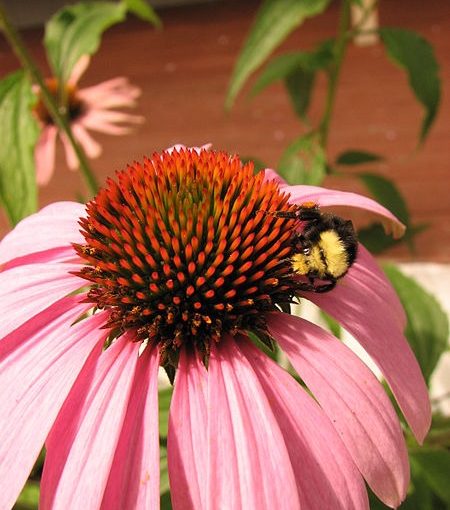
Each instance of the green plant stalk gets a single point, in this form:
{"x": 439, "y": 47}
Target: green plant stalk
{"x": 333, "y": 77}
{"x": 60, "y": 120}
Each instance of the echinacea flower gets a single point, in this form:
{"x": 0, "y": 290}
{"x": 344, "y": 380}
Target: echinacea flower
{"x": 89, "y": 109}
{"x": 173, "y": 264}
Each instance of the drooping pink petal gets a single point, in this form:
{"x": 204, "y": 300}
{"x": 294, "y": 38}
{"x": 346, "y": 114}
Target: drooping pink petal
{"x": 326, "y": 475}
{"x": 81, "y": 445}
{"x": 71, "y": 157}
{"x": 53, "y": 226}
{"x": 186, "y": 441}
{"x": 353, "y": 399}
{"x": 249, "y": 466}
{"x": 114, "y": 93}
{"x": 359, "y": 302}
{"x": 104, "y": 121}
{"x": 327, "y": 197}
{"x": 44, "y": 155}
{"x": 27, "y": 290}
{"x": 39, "y": 363}
{"x": 134, "y": 478}
{"x": 78, "y": 70}
{"x": 92, "y": 148}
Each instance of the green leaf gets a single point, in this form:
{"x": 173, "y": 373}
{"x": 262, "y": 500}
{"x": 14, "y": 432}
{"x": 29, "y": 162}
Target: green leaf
{"x": 416, "y": 56}
{"x": 76, "y": 30}
{"x": 143, "y": 10}
{"x": 165, "y": 501}
{"x": 164, "y": 398}
{"x": 427, "y": 328}
{"x": 29, "y": 497}
{"x": 377, "y": 241}
{"x": 357, "y": 157}
{"x": 332, "y": 325}
{"x": 387, "y": 194}
{"x": 299, "y": 85}
{"x": 275, "y": 20}
{"x": 304, "y": 161}
{"x": 164, "y": 473}
{"x": 281, "y": 67}
{"x": 19, "y": 134}
{"x": 434, "y": 465}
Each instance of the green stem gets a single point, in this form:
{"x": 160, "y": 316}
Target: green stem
{"x": 60, "y": 120}
{"x": 340, "y": 47}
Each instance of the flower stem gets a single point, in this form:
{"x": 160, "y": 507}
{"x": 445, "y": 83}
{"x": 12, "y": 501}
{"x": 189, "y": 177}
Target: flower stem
{"x": 340, "y": 47}
{"x": 60, "y": 120}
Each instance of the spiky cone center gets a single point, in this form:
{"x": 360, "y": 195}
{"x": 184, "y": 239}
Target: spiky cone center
{"x": 181, "y": 248}
{"x": 68, "y": 101}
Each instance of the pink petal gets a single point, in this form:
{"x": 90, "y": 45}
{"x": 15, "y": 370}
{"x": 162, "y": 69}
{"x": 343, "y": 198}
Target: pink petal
{"x": 114, "y": 93}
{"x": 134, "y": 478}
{"x": 79, "y": 69}
{"x": 326, "y": 475}
{"x": 326, "y": 198}
{"x": 271, "y": 175}
{"x": 361, "y": 304}
{"x": 27, "y": 290}
{"x": 106, "y": 122}
{"x": 39, "y": 363}
{"x": 60, "y": 255}
{"x": 44, "y": 155}
{"x": 53, "y": 226}
{"x": 353, "y": 399}
{"x": 92, "y": 148}
{"x": 249, "y": 466}
{"x": 186, "y": 442}
{"x": 71, "y": 157}
{"x": 81, "y": 444}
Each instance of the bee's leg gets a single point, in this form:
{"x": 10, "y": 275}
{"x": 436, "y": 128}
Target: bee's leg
{"x": 306, "y": 286}
{"x": 326, "y": 287}
{"x": 292, "y": 215}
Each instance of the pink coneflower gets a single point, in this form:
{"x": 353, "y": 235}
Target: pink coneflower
{"x": 177, "y": 260}
{"x": 88, "y": 109}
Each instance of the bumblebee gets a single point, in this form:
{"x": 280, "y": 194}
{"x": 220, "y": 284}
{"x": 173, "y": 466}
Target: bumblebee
{"x": 324, "y": 249}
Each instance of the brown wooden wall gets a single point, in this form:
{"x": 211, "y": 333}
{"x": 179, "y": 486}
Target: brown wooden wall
{"x": 184, "y": 70}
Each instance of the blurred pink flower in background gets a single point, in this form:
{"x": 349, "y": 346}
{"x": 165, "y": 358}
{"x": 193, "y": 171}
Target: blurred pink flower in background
{"x": 89, "y": 109}
{"x": 181, "y": 263}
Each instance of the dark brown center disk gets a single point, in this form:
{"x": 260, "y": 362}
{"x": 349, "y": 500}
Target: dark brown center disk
{"x": 181, "y": 249}
{"x": 73, "y": 106}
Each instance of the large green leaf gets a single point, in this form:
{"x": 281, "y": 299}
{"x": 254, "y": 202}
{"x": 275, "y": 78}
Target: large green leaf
{"x": 387, "y": 194}
{"x": 304, "y": 161}
{"x": 415, "y": 54}
{"x": 76, "y": 30}
{"x": 143, "y": 10}
{"x": 427, "y": 329}
{"x": 434, "y": 465}
{"x": 275, "y": 20}
{"x": 19, "y": 134}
